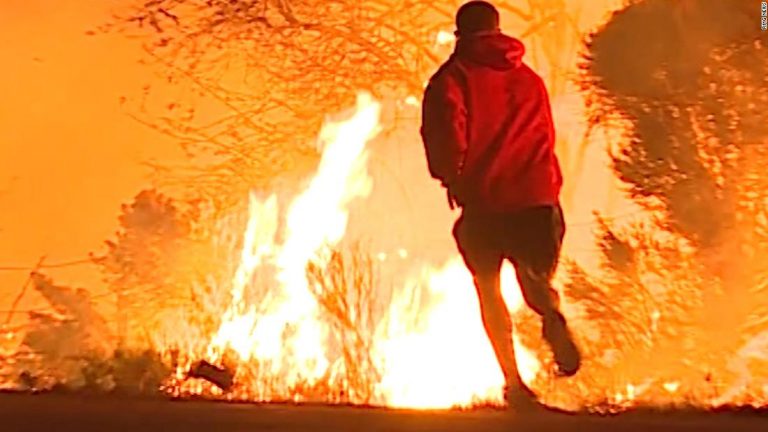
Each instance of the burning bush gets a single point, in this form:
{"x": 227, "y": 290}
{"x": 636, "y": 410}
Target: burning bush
{"x": 71, "y": 347}
{"x": 350, "y": 297}
{"x": 162, "y": 252}
{"x": 681, "y": 292}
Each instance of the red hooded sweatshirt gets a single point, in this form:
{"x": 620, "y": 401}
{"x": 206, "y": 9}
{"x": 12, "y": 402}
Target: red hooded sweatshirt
{"x": 487, "y": 127}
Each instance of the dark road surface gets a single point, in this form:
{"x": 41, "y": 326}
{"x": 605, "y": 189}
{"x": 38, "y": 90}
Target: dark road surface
{"x": 85, "y": 414}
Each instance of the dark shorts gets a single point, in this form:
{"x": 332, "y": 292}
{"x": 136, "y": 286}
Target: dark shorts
{"x": 531, "y": 239}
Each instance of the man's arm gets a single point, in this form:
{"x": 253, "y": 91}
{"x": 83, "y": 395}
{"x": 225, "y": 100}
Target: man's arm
{"x": 444, "y": 128}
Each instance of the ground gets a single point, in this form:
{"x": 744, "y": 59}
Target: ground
{"x": 85, "y": 414}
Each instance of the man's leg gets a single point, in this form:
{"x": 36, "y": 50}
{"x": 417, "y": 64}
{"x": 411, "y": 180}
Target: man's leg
{"x": 538, "y": 235}
{"x": 536, "y": 289}
{"x": 483, "y": 259}
{"x": 496, "y": 318}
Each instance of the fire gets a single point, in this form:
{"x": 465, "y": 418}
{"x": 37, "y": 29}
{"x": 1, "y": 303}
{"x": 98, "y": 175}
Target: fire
{"x": 445, "y": 359}
{"x": 317, "y": 218}
{"x": 671, "y": 386}
{"x": 239, "y": 322}
{"x": 431, "y": 354}
{"x": 429, "y": 350}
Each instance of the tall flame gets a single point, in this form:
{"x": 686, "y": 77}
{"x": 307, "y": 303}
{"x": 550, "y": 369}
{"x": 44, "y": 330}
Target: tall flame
{"x": 317, "y": 218}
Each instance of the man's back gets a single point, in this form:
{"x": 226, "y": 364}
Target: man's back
{"x": 497, "y": 153}
{"x": 487, "y": 130}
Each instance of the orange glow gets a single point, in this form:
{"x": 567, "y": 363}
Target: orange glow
{"x": 423, "y": 362}
{"x": 71, "y": 157}
{"x": 445, "y": 37}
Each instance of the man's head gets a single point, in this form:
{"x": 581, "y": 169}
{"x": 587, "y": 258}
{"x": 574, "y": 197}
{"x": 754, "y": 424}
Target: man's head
{"x": 476, "y": 16}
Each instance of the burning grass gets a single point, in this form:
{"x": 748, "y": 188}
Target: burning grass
{"x": 347, "y": 293}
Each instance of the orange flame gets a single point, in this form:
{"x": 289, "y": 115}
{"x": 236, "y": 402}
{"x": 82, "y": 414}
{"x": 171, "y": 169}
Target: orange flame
{"x": 422, "y": 351}
{"x": 445, "y": 360}
{"x": 317, "y": 218}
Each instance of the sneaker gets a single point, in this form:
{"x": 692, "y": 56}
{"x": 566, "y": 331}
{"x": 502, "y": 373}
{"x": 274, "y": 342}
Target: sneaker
{"x": 566, "y": 353}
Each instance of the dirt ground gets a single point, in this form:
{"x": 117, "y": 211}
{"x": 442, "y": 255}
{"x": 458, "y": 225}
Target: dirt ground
{"x": 85, "y": 414}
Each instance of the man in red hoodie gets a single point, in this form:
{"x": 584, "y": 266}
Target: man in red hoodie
{"x": 489, "y": 138}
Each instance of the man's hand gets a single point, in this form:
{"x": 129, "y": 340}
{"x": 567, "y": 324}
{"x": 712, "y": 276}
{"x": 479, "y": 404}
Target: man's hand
{"x": 451, "y": 199}
{"x": 452, "y": 203}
